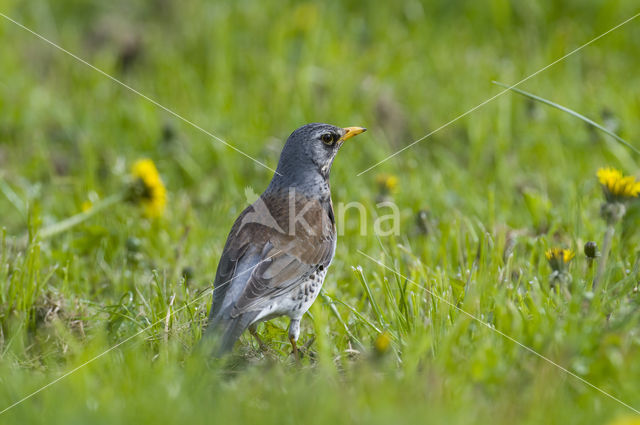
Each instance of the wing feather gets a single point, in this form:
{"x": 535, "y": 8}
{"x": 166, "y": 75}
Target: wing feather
{"x": 262, "y": 261}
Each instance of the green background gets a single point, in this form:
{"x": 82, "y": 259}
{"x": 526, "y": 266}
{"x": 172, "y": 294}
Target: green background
{"x": 497, "y": 188}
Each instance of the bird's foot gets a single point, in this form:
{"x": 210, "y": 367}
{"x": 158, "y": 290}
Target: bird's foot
{"x": 300, "y": 352}
{"x": 305, "y": 350}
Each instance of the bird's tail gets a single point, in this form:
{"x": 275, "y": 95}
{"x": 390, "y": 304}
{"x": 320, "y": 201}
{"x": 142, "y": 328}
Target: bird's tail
{"x": 222, "y": 333}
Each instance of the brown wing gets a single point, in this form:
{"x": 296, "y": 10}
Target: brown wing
{"x": 263, "y": 259}
{"x": 234, "y": 251}
{"x": 279, "y": 273}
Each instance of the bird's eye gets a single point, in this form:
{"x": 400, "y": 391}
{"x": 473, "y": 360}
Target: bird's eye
{"x": 327, "y": 138}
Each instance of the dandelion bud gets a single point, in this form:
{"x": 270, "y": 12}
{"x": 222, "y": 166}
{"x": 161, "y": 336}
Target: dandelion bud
{"x": 187, "y": 274}
{"x": 168, "y": 133}
{"x": 133, "y": 244}
{"x": 591, "y": 249}
{"x": 423, "y": 221}
{"x": 612, "y": 212}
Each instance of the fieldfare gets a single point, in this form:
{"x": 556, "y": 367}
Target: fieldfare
{"x": 277, "y": 253}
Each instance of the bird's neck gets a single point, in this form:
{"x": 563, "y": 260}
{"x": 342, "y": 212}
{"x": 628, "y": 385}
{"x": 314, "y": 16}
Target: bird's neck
{"x": 310, "y": 183}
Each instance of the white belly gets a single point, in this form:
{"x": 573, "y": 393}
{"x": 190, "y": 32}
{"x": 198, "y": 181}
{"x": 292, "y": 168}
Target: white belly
{"x": 296, "y": 303}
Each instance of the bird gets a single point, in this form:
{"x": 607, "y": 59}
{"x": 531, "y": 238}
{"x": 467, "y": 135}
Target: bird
{"x": 276, "y": 256}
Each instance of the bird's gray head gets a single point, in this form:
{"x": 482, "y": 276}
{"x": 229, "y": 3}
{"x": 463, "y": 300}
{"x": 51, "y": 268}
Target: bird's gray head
{"x": 309, "y": 152}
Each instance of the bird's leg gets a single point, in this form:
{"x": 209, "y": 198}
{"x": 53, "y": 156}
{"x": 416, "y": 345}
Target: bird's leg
{"x": 294, "y": 332}
{"x": 253, "y": 330}
{"x": 295, "y": 349}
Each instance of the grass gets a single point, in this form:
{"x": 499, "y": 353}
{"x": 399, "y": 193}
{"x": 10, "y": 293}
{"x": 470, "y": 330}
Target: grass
{"x": 496, "y": 189}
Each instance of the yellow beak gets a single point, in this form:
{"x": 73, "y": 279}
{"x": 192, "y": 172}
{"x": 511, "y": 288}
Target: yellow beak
{"x": 351, "y": 131}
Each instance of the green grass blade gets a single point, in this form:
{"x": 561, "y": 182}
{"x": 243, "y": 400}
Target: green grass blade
{"x": 570, "y": 112}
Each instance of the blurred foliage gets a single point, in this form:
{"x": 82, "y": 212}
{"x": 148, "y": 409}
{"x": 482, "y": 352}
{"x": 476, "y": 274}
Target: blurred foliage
{"x": 480, "y": 201}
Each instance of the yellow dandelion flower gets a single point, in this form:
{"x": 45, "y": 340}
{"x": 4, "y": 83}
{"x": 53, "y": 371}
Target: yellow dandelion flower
{"x": 86, "y": 205}
{"x": 565, "y": 255}
{"x": 387, "y": 182}
{"x": 382, "y": 342}
{"x": 148, "y": 188}
{"x": 616, "y": 187}
{"x": 558, "y": 258}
